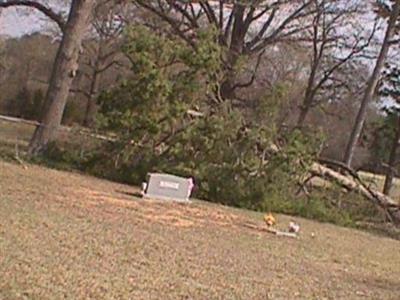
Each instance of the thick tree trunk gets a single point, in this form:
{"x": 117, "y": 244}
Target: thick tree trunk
{"x": 236, "y": 47}
{"x": 372, "y": 83}
{"x": 392, "y": 160}
{"x": 63, "y": 73}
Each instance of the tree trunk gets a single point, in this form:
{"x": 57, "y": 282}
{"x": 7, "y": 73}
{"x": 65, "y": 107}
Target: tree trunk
{"x": 302, "y": 116}
{"x": 91, "y": 107}
{"x": 235, "y": 51}
{"x": 372, "y": 83}
{"x": 308, "y": 99}
{"x": 94, "y": 89}
{"x": 315, "y": 63}
{"x": 63, "y": 73}
{"x": 392, "y": 160}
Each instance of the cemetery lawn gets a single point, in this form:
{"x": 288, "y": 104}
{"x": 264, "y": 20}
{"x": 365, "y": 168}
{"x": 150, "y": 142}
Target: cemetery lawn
{"x": 65, "y": 235}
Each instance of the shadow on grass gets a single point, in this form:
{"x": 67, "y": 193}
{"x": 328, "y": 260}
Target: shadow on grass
{"x": 132, "y": 194}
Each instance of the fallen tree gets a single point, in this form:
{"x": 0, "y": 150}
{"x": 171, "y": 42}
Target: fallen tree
{"x": 350, "y": 180}
{"x": 342, "y": 175}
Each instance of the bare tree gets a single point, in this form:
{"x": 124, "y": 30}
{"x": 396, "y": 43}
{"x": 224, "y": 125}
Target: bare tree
{"x": 102, "y": 53}
{"x": 64, "y": 68}
{"x": 371, "y": 85}
{"x": 333, "y": 46}
{"x": 244, "y": 28}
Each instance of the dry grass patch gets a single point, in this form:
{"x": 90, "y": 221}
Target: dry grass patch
{"x": 65, "y": 235}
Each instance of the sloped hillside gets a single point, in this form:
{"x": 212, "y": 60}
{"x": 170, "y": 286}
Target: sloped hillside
{"x": 64, "y": 235}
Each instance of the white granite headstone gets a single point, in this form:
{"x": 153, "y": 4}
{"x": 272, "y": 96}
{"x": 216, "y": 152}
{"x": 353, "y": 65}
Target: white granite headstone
{"x": 168, "y": 187}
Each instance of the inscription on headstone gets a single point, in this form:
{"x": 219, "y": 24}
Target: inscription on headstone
{"x": 168, "y": 187}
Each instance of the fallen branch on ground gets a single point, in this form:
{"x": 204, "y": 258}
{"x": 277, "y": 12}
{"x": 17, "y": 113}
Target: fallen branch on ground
{"x": 270, "y": 230}
{"x": 353, "y": 182}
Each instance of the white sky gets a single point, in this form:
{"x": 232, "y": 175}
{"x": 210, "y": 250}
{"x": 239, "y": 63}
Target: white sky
{"x": 13, "y": 24}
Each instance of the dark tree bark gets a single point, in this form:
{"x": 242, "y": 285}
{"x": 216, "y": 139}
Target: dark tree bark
{"x": 64, "y": 71}
{"x": 309, "y": 96}
{"x": 91, "y": 99}
{"x": 371, "y": 86}
{"x": 392, "y": 160}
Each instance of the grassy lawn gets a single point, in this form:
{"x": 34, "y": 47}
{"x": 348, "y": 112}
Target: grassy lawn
{"x": 65, "y": 235}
